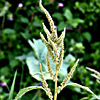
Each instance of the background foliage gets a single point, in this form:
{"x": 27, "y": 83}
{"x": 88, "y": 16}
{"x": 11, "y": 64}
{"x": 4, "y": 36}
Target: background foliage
{"x": 19, "y": 24}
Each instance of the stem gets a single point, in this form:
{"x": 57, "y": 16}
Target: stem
{"x": 22, "y": 74}
{"x": 55, "y": 95}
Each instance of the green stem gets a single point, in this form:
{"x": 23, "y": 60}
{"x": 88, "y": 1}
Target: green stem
{"x": 55, "y": 94}
{"x": 22, "y": 74}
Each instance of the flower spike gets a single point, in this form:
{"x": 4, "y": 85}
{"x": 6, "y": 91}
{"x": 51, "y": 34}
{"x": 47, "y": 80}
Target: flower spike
{"x": 54, "y": 32}
{"x": 49, "y": 66}
{"x": 60, "y": 57}
{"x": 69, "y": 75}
{"x": 45, "y": 85}
{"x": 61, "y": 38}
{"x": 46, "y": 30}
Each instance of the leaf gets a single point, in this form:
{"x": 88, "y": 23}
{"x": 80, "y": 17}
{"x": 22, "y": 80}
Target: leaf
{"x": 3, "y": 70}
{"x": 25, "y": 90}
{"x": 87, "y": 36}
{"x": 23, "y": 57}
{"x": 61, "y": 26}
{"x": 79, "y": 46}
{"x": 9, "y": 31}
{"x": 69, "y": 58}
{"x": 25, "y": 35}
{"x": 36, "y": 24}
{"x": 12, "y": 87}
{"x": 75, "y": 22}
{"x": 33, "y": 62}
{"x": 63, "y": 71}
{"x": 37, "y": 21}
{"x": 83, "y": 87}
{"x": 13, "y": 63}
{"x": 68, "y": 14}
{"x": 78, "y": 20}
{"x": 33, "y": 65}
{"x": 38, "y": 46}
{"x": 24, "y": 20}
{"x": 93, "y": 98}
{"x": 4, "y": 10}
{"x": 84, "y": 98}
{"x": 58, "y": 16}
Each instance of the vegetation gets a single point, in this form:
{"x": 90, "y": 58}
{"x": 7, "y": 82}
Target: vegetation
{"x": 22, "y": 21}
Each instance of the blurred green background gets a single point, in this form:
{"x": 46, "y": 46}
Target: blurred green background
{"x": 21, "y": 20}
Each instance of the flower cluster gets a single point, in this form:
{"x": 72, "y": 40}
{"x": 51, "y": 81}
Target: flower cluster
{"x": 55, "y": 46}
{"x": 53, "y": 42}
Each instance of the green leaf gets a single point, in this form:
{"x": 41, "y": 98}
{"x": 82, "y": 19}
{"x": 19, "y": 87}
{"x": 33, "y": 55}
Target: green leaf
{"x": 33, "y": 62}
{"x": 61, "y": 26}
{"x": 63, "y": 71}
{"x": 24, "y": 20}
{"x": 3, "y": 70}
{"x": 79, "y": 46}
{"x": 85, "y": 98}
{"x": 12, "y": 87}
{"x": 4, "y": 10}
{"x": 83, "y": 87}
{"x": 33, "y": 65}
{"x": 75, "y": 22}
{"x": 78, "y": 20}
{"x": 36, "y": 24}
{"x": 25, "y": 90}
{"x": 58, "y": 16}
{"x": 68, "y": 14}
{"x": 23, "y": 57}
{"x": 87, "y": 36}
{"x": 25, "y": 35}
{"x": 9, "y": 31}
{"x": 69, "y": 58}
{"x": 39, "y": 48}
{"x": 13, "y": 63}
